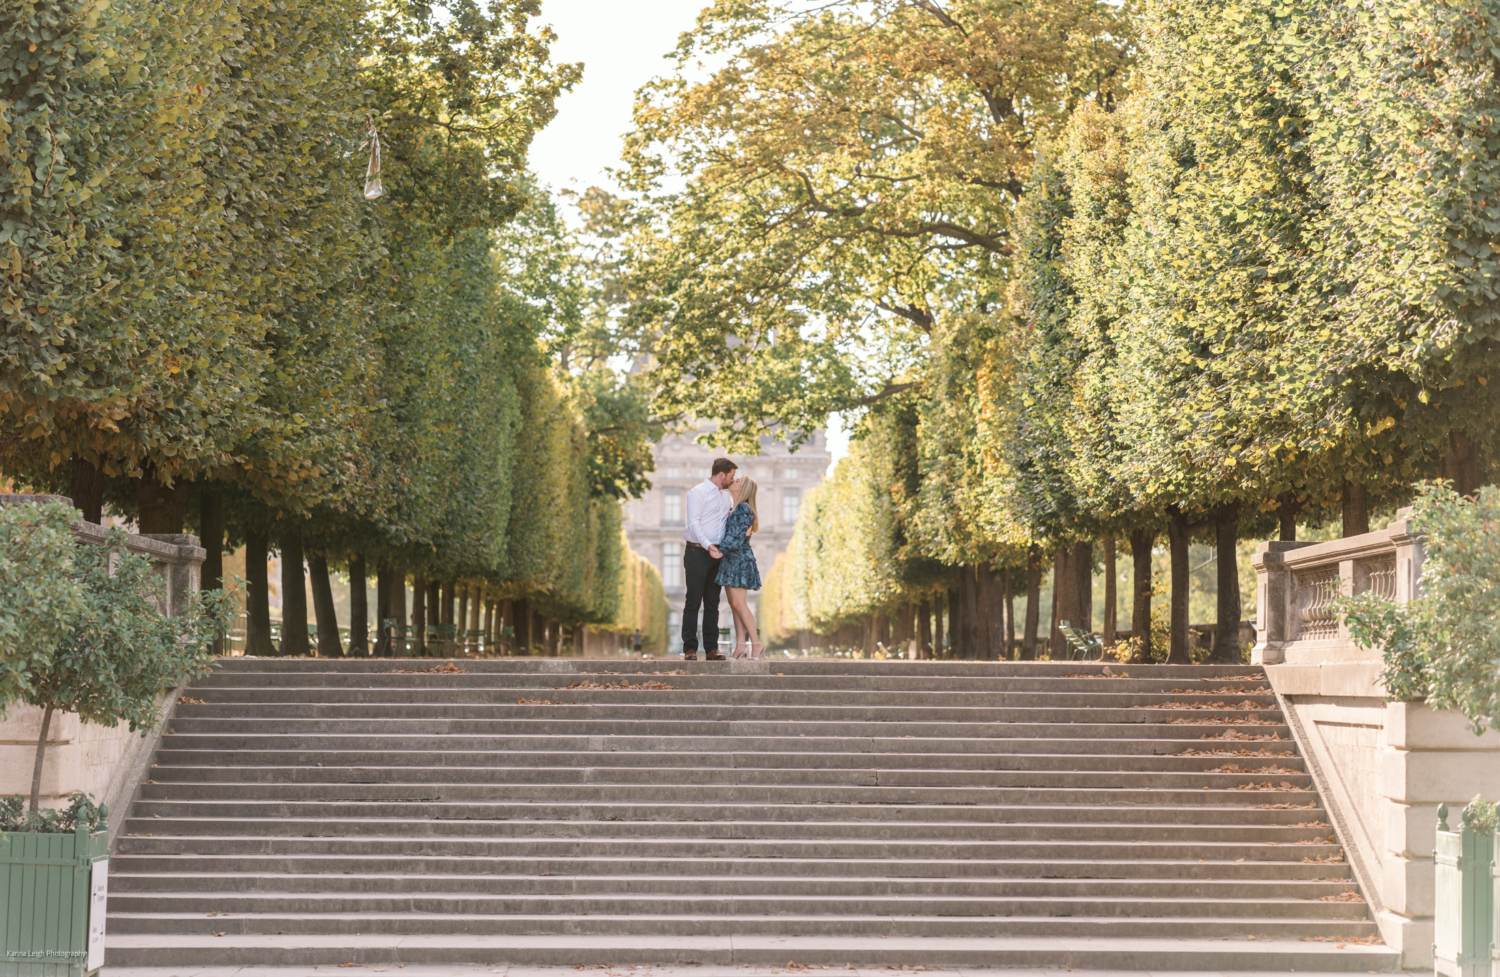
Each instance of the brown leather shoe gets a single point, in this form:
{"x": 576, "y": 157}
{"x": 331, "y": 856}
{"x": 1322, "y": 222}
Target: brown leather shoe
{"x": 690, "y": 658}
{"x": 714, "y": 656}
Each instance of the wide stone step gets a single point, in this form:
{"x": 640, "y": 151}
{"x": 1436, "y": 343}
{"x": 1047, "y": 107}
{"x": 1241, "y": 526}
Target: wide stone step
{"x": 711, "y": 793}
{"x": 1184, "y": 954}
{"x": 467, "y": 855}
{"x": 348, "y": 669}
{"x": 167, "y": 777}
{"x": 642, "y": 710}
{"x": 576, "y": 720}
{"x": 1187, "y": 738}
{"x": 193, "y": 918}
{"x": 833, "y": 812}
{"x": 178, "y": 764}
{"x": 1279, "y": 826}
{"x": 739, "y": 877}
{"x": 704, "y": 923}
{"x": 1165, "y": 811}
{"x": 274, "y": 697}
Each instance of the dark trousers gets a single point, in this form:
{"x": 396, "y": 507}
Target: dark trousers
{"x": 700, "y": 574}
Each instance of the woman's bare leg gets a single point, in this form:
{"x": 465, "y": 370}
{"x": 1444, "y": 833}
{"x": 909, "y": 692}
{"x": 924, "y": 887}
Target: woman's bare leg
{"x": 737, "y": 608}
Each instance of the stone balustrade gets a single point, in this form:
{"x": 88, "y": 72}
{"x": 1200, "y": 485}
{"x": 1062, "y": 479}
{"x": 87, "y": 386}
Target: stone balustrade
{"x": 103, "y": 761}
{"x": 1382, "y": 767}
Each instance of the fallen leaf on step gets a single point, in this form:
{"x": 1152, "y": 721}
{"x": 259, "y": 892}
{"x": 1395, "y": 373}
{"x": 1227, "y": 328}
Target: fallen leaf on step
{"x": 218, "y": 934}
{"x": 351, "y": 963}
{"x": 189, "y": 700}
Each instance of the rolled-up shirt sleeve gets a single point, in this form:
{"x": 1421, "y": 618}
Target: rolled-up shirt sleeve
{"x": 699, "y": 529}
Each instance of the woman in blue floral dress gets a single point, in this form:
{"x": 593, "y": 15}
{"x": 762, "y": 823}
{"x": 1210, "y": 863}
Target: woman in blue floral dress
{"x": 738, "y": 574}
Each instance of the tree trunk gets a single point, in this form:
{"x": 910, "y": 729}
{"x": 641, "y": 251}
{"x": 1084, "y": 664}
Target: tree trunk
{"x": 473, "y": 626}
{"x": 1141, "y": 543}
{"x": 293, "y": 596}
{"x": 448, "y": 599}
{"x": 970, "y": 611}
{"x": 1177, "y": 536}
{"x": 508, "y": 618}
{"x": 1064, "y": 580}
{"x": 1033, "y": 602}
{"x": 359, "y": 609}
{"x": 554, "y": 635}
{"x": 162, "y": 509}
{"x": 489, "y": 627}
{"x": 522, "y": 627}
{"x": 883, "y": 631}
{"x": 942, "y": 637}
{"x": 1227, "y": 627}
{"x": 329, "y": 643}
{"x": 211, "y": 535}
{"x": 382, "y": 609}
{"x": 257, "y": 596}
{"x": 418, "y": 616}
{"x": 1010, "y": 616}
{"x": 924, "y": 630}
{"x": 1287, "y": 508}
{"x": 1356, "y": 510}
{"x": 1460, "y": 464}
{"x": 434, "y": 616}
{"x": 396, "y": 604}
{"x": 578, "y": 638}
{"x": 1082, "y": 561}
{"x": 41, "y": 758}
{"x": 978, "y": 611}
{"x": 86, "y": 489}
{"x": 1110, "y": 626}
{"x": 993, "y": 592}
{"x": 461, "y": 622}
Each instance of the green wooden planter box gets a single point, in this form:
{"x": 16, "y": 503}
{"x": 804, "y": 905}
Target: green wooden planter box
{"x": 1464, "y": 896}
{"x": 54, "y": 888}
{"x": 1495, "y": 905}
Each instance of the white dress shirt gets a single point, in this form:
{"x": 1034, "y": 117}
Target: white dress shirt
{"x": 706, "y": 512}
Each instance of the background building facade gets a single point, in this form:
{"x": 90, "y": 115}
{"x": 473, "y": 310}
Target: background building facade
{"x": 655, "y": 523}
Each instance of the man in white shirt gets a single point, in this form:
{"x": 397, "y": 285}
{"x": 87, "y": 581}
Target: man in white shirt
{"x": 708, "y": 506}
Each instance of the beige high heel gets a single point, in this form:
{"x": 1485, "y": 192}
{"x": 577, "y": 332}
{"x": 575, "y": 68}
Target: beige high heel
{"x": 737, "y": 653}
{"x": 756, "y": 650}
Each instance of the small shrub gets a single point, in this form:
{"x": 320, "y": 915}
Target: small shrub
{"x": 82, "y": 810}
{"x": 1443, "y": 646}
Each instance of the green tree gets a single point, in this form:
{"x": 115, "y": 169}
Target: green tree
{"x": 120, "y": 653}
{"x": 39, "y": 595}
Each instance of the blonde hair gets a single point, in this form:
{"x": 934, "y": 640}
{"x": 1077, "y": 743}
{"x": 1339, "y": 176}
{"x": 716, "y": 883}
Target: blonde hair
{"x": 746, "y": 493}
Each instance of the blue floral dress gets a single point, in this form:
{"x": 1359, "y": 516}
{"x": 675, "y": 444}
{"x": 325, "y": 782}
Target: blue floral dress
{"x": 738, "y": 568}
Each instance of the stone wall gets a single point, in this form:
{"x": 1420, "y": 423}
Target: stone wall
{"x": 103, "y": 761}
{"x": 1381, "y": 767}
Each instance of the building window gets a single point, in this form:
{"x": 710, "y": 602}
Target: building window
{"x": 671, "y": 507}
{"x": 674, "y": 472}
{"x": 790, "y": 474}
{"x": 705, "y": 472}
{"x": 791, "y": 502}
{"x": 671, "y": 566}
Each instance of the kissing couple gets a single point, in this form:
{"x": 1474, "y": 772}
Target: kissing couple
{"x": 721, "y": 518}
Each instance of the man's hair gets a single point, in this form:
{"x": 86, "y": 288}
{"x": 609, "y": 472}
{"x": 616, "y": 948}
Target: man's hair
{"x": 722, "y": 465}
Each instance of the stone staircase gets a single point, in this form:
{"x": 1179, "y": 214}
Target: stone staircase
{"x": 822, "y": 812}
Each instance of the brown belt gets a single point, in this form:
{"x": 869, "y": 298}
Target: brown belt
{"x": 696, "y": 546}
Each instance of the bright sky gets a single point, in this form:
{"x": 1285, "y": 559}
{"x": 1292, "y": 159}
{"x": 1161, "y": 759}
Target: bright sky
{"x": 621, "y": 44}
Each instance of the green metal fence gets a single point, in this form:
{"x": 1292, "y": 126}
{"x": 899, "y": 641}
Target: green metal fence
{"x": 1464, "y": 910}
{"x": 54, "y": 888}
